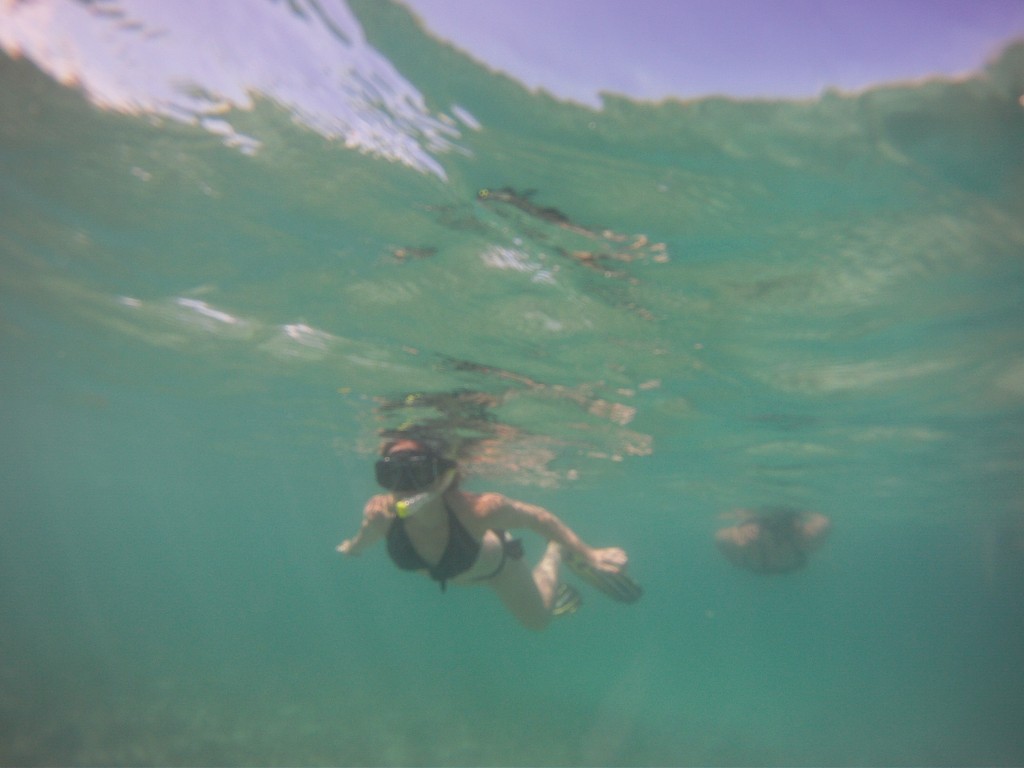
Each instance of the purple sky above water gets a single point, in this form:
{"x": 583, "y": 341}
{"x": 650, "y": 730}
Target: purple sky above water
{"x": 651, "y": 49}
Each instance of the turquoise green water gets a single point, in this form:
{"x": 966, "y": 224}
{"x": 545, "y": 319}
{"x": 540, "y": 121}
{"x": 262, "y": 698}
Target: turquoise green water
{"x": 818, "y": 304}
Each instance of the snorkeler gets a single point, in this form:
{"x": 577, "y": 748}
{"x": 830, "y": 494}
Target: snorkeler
{"x": 774, "y": 540}
{"x": 521, "y": 200}
{"x": 453, "y": 536}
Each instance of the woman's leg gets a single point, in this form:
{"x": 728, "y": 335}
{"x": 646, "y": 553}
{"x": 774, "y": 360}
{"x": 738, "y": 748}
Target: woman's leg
{"x": 527, "y": 594}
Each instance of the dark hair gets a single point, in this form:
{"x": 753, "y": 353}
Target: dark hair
{"x": 780, "y": 521}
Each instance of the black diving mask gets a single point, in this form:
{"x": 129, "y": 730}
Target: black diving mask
{"x": 410, "y": 470}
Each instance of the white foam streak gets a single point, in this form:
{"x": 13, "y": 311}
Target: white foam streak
{"x": 204, "y": 309}
{"x": 194, "y": 61}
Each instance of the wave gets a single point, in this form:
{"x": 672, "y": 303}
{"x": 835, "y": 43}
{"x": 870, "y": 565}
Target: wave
{"x": 195, "y": 62}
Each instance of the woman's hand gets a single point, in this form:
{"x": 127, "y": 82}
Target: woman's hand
{"x": 608, "y": 559}
{"x": 605, "y": 569}
{"x": 345, "y": 547}
{"x": 377, "y": 517}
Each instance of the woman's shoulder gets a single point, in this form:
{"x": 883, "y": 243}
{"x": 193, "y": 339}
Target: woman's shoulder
{"x": 739, "y": 535}
{"x": 816, "y": 526}
{"x": 484, "y": 504}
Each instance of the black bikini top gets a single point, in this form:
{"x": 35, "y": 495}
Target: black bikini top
{"x": 459, "y": 554}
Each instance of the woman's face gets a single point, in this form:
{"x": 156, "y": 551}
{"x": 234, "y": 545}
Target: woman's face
{"x": 410, "y": 466}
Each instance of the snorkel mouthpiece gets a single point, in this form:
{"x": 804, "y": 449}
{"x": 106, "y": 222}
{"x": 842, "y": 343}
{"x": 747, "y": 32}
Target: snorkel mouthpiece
{"x": 410, "y": 505}
{"x": 413, "y": 504}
